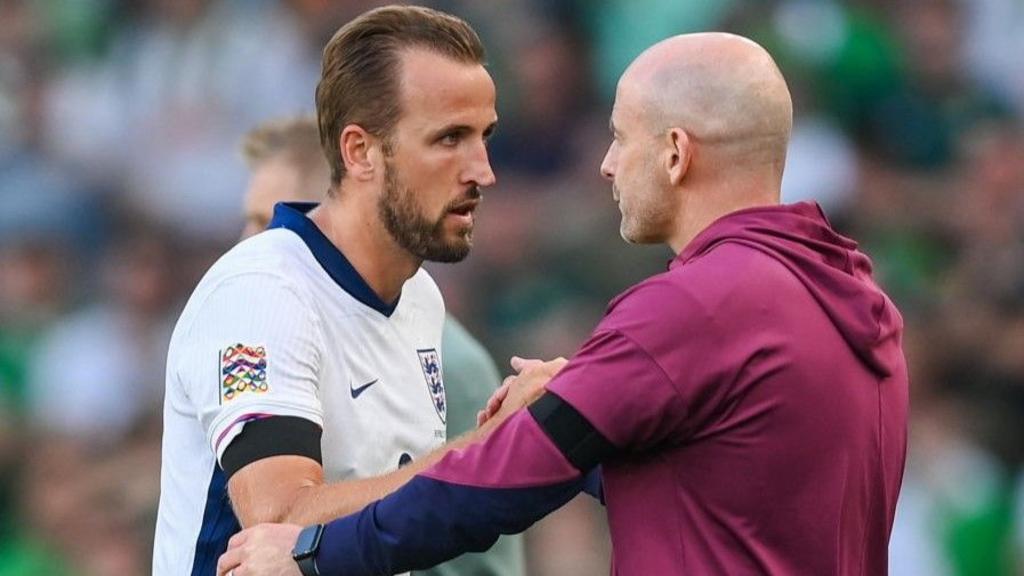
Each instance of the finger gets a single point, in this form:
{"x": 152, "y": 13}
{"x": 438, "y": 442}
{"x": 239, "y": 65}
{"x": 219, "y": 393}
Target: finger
{"x": 238, "y": 539}
{"x": 520, "y": 364}
{"x": 481, "y": 417}
{"x": 228, "y": 561}
{"x": 555, "y": 366}
{"x": 494, "y": 405}
{"x": 502, "y": 391}
{"x": 494, "y": 402}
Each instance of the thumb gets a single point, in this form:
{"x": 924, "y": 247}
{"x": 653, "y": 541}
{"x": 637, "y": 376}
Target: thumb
{"x": 520, "y": 364}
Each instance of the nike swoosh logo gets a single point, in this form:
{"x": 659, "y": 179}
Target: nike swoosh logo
{"x": 357, "y": 391}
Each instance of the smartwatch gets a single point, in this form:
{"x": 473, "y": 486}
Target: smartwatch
{"x": 306, "y": 547}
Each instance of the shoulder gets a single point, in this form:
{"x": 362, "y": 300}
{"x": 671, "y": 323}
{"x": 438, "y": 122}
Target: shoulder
{"x": 719, "y": 284}
{"x": 276, "y": 252}
{"x": 270, "y": 262}
{"x": 262, "y": 272}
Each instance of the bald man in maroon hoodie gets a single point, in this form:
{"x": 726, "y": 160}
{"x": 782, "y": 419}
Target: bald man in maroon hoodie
{"x": 744, "y": 412}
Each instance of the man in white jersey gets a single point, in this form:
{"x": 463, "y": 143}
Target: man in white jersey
{"x": 287, "y": 165}
{"x": 305, "y": 368}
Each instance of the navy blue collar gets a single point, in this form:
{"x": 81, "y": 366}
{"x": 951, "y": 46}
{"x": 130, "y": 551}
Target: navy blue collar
{"x": 292, "y": 216}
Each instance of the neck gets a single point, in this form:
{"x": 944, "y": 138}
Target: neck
{"x": 706, "y": 200}
{"x": 366, "y": 244}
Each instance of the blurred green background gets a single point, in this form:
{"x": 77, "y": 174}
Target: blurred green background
{"x": 121, "y": 181}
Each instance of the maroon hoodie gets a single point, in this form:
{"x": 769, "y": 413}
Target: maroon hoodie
{"x": 760, "y": 389}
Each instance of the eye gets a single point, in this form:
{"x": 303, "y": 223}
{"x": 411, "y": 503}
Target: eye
{"x": 450, "y": 139}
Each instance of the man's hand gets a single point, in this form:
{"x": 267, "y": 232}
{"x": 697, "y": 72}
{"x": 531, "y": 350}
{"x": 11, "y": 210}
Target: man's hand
{"x": 264, "y": 550}
{"x": 522, "y": 389}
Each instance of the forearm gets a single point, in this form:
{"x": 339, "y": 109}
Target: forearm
{"x": 460, "y": 505}
{"x": 428, "y": 522}
{"x": 321, "y": 503}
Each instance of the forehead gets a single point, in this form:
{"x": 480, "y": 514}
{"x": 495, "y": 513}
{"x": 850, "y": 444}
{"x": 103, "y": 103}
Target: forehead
{"x": 438, "y": 90}
{"x": 628, "y": 105}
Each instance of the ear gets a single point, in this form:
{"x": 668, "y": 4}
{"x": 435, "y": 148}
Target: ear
{"x": 356, "y": 144}
{"x": 680, "y": 154}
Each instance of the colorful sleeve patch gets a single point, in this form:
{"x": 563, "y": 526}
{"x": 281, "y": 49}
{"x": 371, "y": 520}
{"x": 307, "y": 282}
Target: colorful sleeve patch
{"x": 243, "y": 369}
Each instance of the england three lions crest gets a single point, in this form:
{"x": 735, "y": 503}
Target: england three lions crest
{"x": 430, "y": 362}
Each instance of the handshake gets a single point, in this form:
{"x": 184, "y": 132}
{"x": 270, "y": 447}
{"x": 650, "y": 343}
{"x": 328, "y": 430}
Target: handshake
{"x": 521, "y": 389}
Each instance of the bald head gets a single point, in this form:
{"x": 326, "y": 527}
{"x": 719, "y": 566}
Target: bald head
{"x": 721, "y": 89}
{"x": 700, "y": 128}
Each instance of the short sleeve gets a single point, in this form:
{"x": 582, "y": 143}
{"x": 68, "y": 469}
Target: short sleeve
{"x": 252, "y": 351}
{"x": 621, "y": 391}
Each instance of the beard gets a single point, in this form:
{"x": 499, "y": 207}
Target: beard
{"x": 417, "y": 234}
{"x": 646, "y": 217}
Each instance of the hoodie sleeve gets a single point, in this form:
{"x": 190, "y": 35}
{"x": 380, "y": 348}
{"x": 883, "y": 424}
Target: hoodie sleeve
{"x": 462, "y": 504}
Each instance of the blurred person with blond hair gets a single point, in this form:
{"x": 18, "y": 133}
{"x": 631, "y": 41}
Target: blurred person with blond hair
{"x": 287, "y": 165}
{"x": 747, "y": 407}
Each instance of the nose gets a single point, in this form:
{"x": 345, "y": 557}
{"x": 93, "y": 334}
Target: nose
{"x": 608, "y": 164}
{"x": 479, "y": 171}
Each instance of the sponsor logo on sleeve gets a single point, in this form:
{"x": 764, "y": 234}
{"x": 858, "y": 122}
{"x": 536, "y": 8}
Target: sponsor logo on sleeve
{"x": 243, "y": 369}
{"x": 430, "y": 362}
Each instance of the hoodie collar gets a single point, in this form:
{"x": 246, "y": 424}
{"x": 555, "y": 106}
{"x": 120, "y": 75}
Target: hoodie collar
{"x": 807, "y": 215}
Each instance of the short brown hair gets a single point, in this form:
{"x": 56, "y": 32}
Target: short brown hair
{"x": 359, "y": 81}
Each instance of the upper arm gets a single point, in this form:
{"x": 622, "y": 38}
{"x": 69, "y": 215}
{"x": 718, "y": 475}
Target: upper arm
{"x": 656, "y": 367}
{"x": 252, "y": 351}
{"x": 249, "y": 363}
{"x": 622, "y": 392}
{"x": 269, "y": 465}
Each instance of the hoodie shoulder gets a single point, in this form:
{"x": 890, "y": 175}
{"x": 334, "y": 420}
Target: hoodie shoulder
{"x": 723, "y": 280}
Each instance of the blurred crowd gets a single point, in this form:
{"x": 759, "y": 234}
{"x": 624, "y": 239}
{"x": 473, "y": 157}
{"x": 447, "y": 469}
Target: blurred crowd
{"x": 121, "y": 182}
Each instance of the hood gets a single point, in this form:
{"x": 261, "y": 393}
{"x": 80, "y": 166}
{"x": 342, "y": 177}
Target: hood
{"x": 834, "y": 271}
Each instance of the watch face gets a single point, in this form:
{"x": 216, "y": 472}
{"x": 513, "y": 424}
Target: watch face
{"x": 308, "y": 541}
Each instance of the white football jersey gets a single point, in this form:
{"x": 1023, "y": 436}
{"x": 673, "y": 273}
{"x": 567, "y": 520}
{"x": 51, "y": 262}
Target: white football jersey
{"x": 283, "y": 325}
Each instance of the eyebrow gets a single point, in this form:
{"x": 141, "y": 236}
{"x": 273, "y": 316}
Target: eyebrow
{"x": 462, "y": 129}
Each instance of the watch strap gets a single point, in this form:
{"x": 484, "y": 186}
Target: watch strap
{"x": 307, "y": 566}
{"x": 306, "y": 547}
